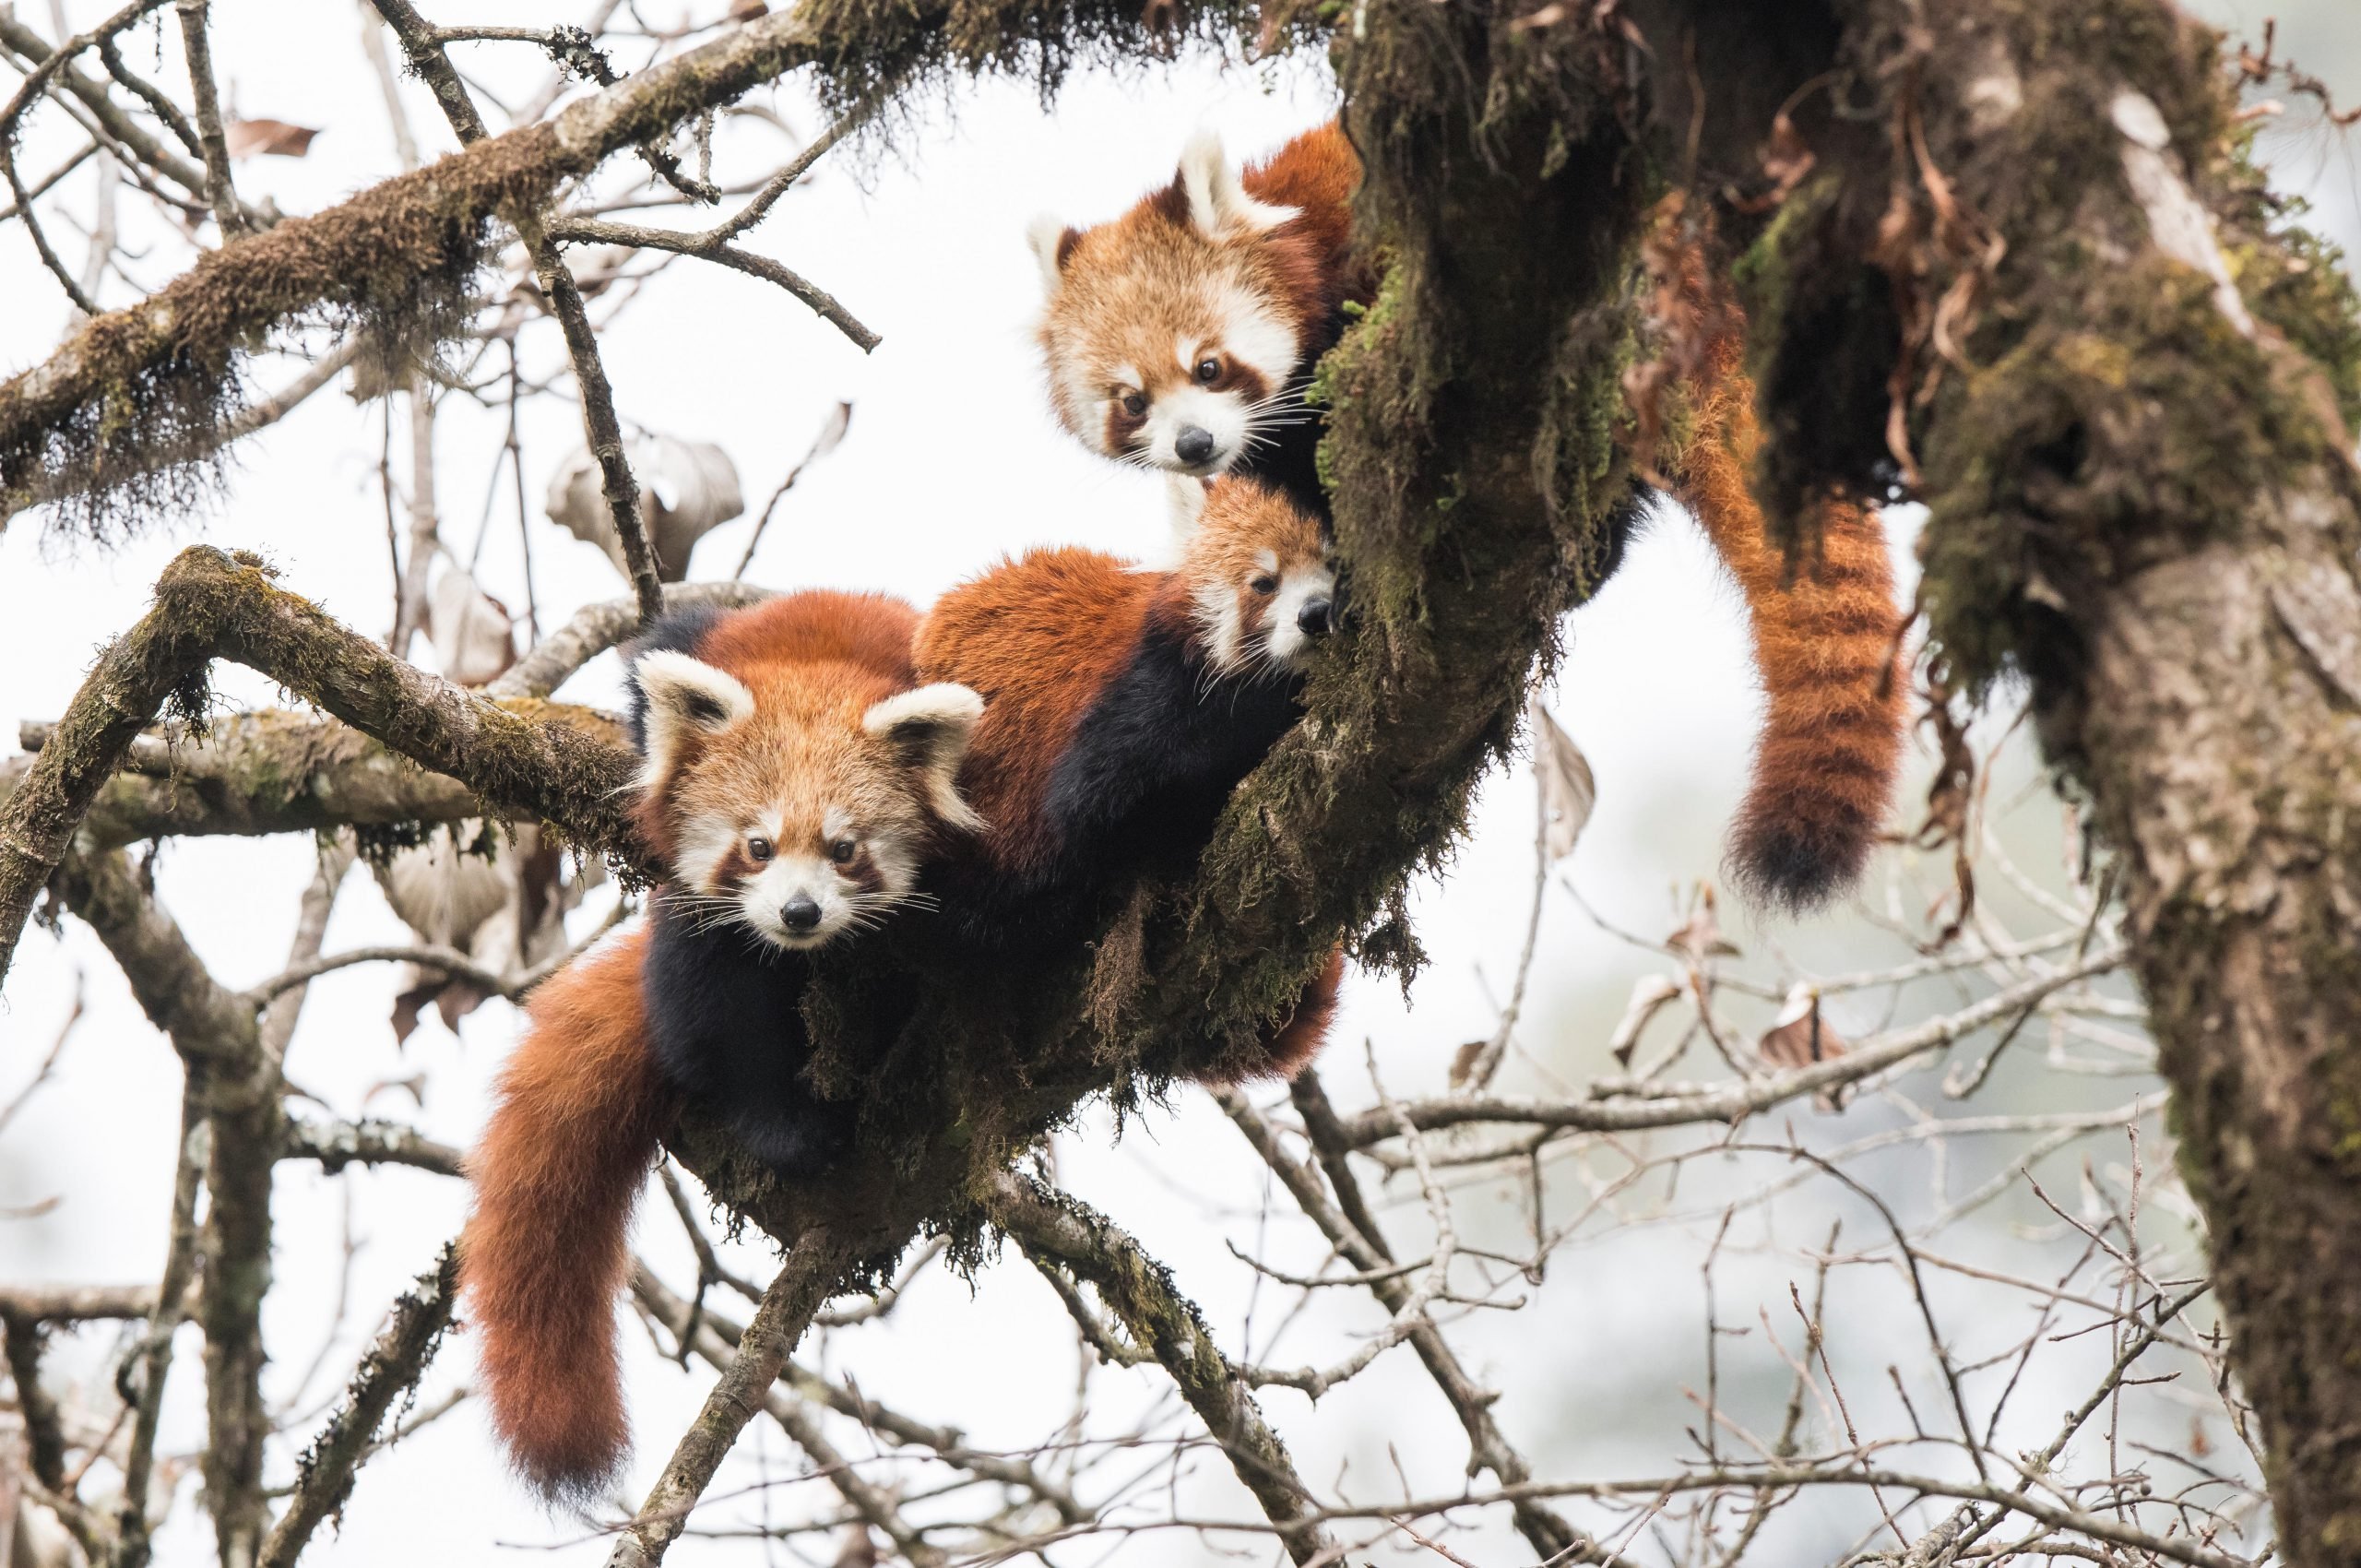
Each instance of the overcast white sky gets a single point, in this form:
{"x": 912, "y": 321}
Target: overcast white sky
{"x": 951, "y": 459}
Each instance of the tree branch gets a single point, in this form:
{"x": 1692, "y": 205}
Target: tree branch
{"x": 393, "y": 1365}
{"x": 210, "y": 604}
{"x": 1140, "y": 1292}
{"x": 801, "y": 1289}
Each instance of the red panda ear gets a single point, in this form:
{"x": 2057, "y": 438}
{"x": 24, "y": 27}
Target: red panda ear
{"x": 929, "y": 729}
{"x": 1218, "y": 203}
{"x": 1052, "y": 241}
{"x": 686, "y": 698}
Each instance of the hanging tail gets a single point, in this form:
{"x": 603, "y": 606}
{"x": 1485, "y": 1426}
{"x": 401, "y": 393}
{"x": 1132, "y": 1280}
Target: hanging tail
{"x": 1826, "y": 642}
{"x": 545, "y": 1254}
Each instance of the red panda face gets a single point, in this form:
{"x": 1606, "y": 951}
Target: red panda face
{"x": 1171, "y": 335}
{"x": 1261, "y": 585}
{"x": 800, "y": 804}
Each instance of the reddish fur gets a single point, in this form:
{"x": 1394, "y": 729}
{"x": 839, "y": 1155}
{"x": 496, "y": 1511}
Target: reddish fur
{"x": 871, "y": 631}
{"x": 808, "y": 655}
{"x": 581, "y": 1106}
{"x": 1826, "y": 641}
{"x": 1317, "y": 173}
{"x": 556, "y": 1176}
{"x": 1040, "y": 636}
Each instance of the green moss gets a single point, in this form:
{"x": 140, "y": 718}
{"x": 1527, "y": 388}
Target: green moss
{"x": 2141, "y": 423}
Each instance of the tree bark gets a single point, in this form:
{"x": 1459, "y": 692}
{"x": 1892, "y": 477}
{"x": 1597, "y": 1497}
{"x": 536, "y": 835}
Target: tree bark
{"x": 2059, "y": 293}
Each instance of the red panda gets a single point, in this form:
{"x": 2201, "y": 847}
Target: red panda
{"x": 796, "y": 778}
{"x": 1122, "y": 707}
{"x": 1181, "y": 334}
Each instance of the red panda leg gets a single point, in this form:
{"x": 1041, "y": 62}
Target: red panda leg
{"x": 545, "y": 1251}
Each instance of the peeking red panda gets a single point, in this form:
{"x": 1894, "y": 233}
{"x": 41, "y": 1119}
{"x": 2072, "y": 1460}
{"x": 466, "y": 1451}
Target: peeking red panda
{"x": 1182, "y": 335}
{"x": 1122, "y": 707}
{"x": 797, "y": 776}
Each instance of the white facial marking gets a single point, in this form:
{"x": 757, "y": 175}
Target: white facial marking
{"x": 705, "y": 844}
{"x": 1253, "y": 334}
{"x": 1267, "y": 559}
{"x": 1218, "y": 617}
{"x": 1283, "y": 632}
{"x": 763, "y": 898}
{"x": 1221, "y": 415}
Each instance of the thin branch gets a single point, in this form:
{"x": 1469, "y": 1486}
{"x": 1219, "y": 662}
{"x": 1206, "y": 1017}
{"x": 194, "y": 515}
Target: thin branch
{"x": 1745, "y": 1097}
{"x": 393, "y": 1364}
{"x": 221, "y": 191}
{"x": 801, "y": 1287}
{"x": 1139, "y": 1291}
{"x": 592, "y": 231}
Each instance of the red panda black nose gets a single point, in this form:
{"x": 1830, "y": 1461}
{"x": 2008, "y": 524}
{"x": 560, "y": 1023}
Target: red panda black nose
{"x": 1192, "y": 446}
{"x": 800, "y": 914}
{"x": 1317, "y": 617}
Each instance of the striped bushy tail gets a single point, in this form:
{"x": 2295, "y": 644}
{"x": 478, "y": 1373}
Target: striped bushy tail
{"x": 545, "y": 1254}
{"x": 1826, "y": 642}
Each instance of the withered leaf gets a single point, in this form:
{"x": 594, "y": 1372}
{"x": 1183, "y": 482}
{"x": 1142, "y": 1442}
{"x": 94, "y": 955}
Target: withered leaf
{"x": 474, "y": 635}
{"x": 1464, "y": 1060}
{"x": 272, "y": 139}
{"x": 1800, "y": 1036}
{"x": 1700, "y": 937}
{"x": 1568, "y": 790}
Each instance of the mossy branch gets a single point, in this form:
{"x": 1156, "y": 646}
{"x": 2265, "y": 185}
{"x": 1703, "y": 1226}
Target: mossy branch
{"x": 801, "y": 1287}
{"x": 1140, "y": 1292}
{"x": 2036, "y": 274}
{"x": 393, "y": 1365}
{"x": 212, "y": 605}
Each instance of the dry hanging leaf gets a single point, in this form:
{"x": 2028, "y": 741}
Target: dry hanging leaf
{"x": 1464, "y": 1060}
{"x": 1800, "y": 1036}
{"x": 474, "y": 636}
{"x": 1649, "y": 994}
{"x": 686, "y": 489}
{"x": 747, "y": 10}
{"x": 1568, "y": 790}
{"x": 1702, "y": 937}
{"x": 272, "y": 138}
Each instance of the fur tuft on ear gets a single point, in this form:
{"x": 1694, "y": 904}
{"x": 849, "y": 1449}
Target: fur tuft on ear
{"x": 931, "y": 727}
{"x": 1218, "y": 204}
{"x": 686, "y": 697}
{"x": 1052, "y": 242}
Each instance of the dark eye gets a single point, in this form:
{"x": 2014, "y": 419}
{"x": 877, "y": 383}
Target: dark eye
{"x": 1209, "y": 369}
{"x": 758, "y": 849}
{"x": 1135, "y": 404}
{"x": 1265, "y": 584}
{"x": 843, "y": 851}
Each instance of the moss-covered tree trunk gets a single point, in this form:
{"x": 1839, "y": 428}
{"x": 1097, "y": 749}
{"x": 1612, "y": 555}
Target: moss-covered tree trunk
{"x": 2048, "y": 285}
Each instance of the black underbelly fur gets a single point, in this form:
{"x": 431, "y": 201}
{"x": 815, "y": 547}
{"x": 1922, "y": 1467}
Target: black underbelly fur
{"x": 725, "y": 1022}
